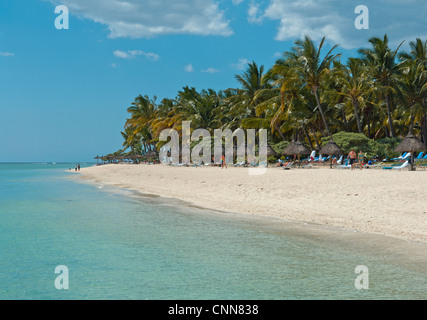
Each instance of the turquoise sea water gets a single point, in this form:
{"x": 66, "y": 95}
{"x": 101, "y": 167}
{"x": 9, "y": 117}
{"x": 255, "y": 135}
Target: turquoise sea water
{"x": 120, "y": 246}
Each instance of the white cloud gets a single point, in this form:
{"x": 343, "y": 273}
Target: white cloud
{"x": 241, "y": 64}
{"x": 148, "y": 18}
{"x": 189, "y": 68}
{"x": 7, "y": 54}
{"x": 130, "y": 54}
{"x": 122, "y": 54}
{"x": 237, "y": 2}
{"x": 253, "y": 13}
{"x": 401, "y": 20}
{"x": 210, "y": 70}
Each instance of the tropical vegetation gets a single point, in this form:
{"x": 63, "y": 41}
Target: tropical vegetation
{"x": 309, "y": 94}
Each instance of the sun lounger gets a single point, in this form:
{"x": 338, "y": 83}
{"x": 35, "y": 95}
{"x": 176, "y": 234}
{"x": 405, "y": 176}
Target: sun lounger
{"x": 422, "y": 166}
{"x": 404, "y": 165}
{"x": 399, "y": 158}
{"x": 408, "y": 155}
{"x": 241, "y": 164}
{"x": 420, "y": 156}
{"x": 288, "y": 165}
{"x": 344, "y": 166}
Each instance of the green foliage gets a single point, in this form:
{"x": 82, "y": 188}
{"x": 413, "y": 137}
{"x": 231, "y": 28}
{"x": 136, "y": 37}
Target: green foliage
{"x": 348, "y": 141}
{"x": 387, "y": 146}
{"x": 272, "y": 159}
{"x": 279, "y": 147}
{"x": 305, "y": 94}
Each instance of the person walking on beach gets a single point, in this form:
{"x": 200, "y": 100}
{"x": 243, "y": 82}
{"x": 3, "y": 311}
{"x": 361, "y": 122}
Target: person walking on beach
{"x": 360, "y": 157}
{"x": 78, "y": 166}
{"x": 223, "y": 164}
{"x": 75, "y": 167}
{"x": 351, "y": 158}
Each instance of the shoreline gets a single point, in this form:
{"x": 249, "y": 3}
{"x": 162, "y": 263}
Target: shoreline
{"x": 396, "y": 209}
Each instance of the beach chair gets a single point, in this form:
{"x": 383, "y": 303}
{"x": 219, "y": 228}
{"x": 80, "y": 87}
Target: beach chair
{"x": 402, "y": 166}
{"x": 422, "y": 166}
{"x": 407, "y": 156}
{"x": 420, "y": 156}
{"x": 346, "y": 165}
{"x": 288, "y": 165}
{"x": 340, "y": 160}
{"x": 399, "y": 158}
{"x": 241, "y": 164}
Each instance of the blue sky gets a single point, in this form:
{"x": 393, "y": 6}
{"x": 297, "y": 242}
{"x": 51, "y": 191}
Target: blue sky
{"x": 64, "y": 93}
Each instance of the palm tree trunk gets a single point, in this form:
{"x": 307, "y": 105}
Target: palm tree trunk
{"x": 425, "y": 129}
{"x": 321, "y": 112}
{"x": 390, "y": 121}
{"x": 280, "y": 132}
{"x": 315, "y": 138}
{"x": 411, "y": 123}
{"x": 308, "y": 137}
{"x": 356, "y": 113}
{"x": 368, "y": 121}
{"x": 344, "y": 119}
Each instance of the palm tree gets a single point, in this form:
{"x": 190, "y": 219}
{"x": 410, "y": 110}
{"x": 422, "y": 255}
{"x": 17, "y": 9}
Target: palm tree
{"x": 418, "y": 55}
{"x": 356, "y": 86}
{"x": 203, "y": 108}
{"x": 254, "y": 89}
{"x": 382, "y": 62}
{"x": 143, "y": 112}
{"x": 310, "y": 69}
{"x": 412, "y": 91}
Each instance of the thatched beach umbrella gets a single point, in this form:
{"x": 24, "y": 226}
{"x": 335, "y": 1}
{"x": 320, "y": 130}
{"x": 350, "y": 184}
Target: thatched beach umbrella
{"x": 151, "y": 154}
{"x": 296, "y": 148}
{"x": 331, "y": 148}
{"x": 410, "y": 144}
{"x": 271, "y": 152}
{"x": 97, "y": 159}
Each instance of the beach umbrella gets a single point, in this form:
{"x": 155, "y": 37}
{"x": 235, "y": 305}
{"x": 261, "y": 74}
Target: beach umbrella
{"x": 296, "y": 148}
{"x": 151, "y": 154}
{"x": 97, "y": 159}
{"x": 410, "y": 144}
{"x": 331, "y": 148}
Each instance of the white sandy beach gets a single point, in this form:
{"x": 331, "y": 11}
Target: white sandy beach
{"x": 392, "y": 203}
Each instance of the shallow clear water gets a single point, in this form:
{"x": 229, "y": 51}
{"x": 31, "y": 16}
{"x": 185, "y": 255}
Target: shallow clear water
{"x": 119, "y": 246}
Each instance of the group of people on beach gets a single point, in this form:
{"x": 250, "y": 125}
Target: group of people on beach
{"x": 352, "y": 158}
{"x": 77, "y": 167}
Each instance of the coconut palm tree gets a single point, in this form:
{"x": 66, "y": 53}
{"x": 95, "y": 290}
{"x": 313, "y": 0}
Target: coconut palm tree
{"x": 310, "y": 68}
{"x": 412, "y": 93}
{"x": 243, "y": 102}
{"x": 418, "y": 54}
{"x": 356, "y": 86}
{"x": 142, "y": 113}
{"x": 382, "y": 62}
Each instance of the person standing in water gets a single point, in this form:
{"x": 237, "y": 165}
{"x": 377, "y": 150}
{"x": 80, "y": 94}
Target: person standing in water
{"x": 78, "y": 166}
